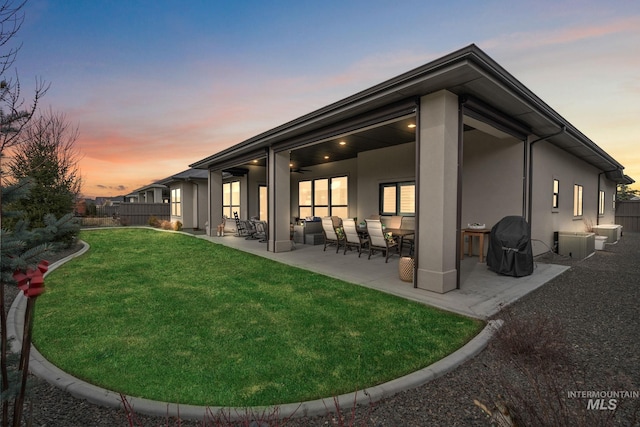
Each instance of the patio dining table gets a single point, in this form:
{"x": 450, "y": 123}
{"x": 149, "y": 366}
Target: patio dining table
{"x": 397, "y": 232}
{"x": 401, "y": 233}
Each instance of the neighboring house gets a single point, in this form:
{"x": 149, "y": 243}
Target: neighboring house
{"x": 456, "y": 141}
{"x": 188, "y": 197}
{"x": 152, "y": 193}
{"x": 109, "y": 201}
{"x": 131, "y": 198}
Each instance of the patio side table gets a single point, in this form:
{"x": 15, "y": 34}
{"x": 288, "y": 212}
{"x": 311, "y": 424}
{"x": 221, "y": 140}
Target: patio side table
{"x": 471, "y": 233}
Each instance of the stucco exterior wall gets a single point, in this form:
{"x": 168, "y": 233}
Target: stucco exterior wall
{"x": 437, "y": 237}
{"x": 194, "y": 203}
{"x": 549, "y": 163}
{"x": 200, "y": 203}
{"x": 391, "y": 164}
{"x": 492, "y": 172}
{"x": 257, "y": 176}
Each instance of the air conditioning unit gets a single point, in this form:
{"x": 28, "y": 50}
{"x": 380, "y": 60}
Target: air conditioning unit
{"x": 576, "y": 244}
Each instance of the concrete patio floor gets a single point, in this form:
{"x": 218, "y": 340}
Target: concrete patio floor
{"x": 482, "y": 292}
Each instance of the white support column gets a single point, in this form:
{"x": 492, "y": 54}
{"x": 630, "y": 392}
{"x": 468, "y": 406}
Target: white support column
{"x": 157, "y": 195}
{"x": 438, "y": 192}
{"x": 279, "y": 183}
{"x": 215, "y": 201}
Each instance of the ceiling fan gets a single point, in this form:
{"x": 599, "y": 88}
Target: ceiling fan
{"x": 299, "y": 170}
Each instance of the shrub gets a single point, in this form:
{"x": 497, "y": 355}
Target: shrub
{"x": 536, "y": 339}
{"x": 533, "y": 369}
{"x": 102, "y": 222}
{"x": 153, "y": 221}
{"x": 177, "y": 226}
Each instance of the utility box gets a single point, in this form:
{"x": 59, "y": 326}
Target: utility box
{"x": 314, "y": 239}
{"x": 600, "y": 241}
{"x": 612, "y": 232}
{"x": 576, "y": 244}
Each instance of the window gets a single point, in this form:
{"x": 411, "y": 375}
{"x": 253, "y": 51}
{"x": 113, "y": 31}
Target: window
{"x": 577, "y": 200}
{"x": 556, "y": 194}
{"x": 324, "y": 197}
{"x": 339, "y": 197}
{"x": 321, "y": 197}
{"x": 230, "y": 198}
{"x": 176, "y": 202}
{"x": 262, "y": 202}
{"x": 398, "y": 198}
{"x": 601, "y": 203}
{"x": 305, "y": 201}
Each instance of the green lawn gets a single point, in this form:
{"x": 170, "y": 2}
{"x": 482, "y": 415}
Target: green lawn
{"x": 170, "y": 317}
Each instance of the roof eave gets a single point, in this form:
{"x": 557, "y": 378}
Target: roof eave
{"x": 407, "y": 85}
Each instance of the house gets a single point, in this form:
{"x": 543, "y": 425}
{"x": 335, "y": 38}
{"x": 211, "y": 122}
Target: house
{"x": 189, "y": 186}
{"x": 453, "y": 142}
{"x": 152, "y": 193}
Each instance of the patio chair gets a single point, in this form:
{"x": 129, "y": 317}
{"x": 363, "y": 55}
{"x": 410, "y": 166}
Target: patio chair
{"x": 261, "y": 231}
{"x": 251, "y": 227}
{"x": 331, "y": 236}
{"x": 351, "y": 236}
{"x": 243, "y": 228}
{"x": 378, "y": 240}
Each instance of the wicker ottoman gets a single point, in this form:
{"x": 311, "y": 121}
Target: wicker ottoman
{"x": 405, "y": 268}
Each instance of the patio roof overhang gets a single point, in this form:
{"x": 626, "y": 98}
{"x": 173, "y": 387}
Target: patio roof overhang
{"x": 148, "y": 187}
{"x": 468, "y": 72}
{"x": 187, "y": 175}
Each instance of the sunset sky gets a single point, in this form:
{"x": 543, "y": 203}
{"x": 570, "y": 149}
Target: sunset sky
{"x": 156, "y": 85}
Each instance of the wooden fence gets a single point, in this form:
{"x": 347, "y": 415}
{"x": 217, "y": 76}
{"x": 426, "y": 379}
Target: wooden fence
{"x": 128, "y": 214}
{"x": 628, "y": 215}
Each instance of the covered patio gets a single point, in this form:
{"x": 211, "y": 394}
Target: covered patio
{"x": 482, "y": 292}
{"x": 449, "y": 144}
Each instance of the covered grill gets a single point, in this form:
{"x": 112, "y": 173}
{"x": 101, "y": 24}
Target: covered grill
{"x": 510, "y": 250}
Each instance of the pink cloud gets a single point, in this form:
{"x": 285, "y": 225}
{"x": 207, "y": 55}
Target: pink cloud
{"x": 565, "y": 35}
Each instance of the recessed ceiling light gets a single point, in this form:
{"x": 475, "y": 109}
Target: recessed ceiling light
{"x": 326, "y": 157}
{"x": 255, "y": 161}
{"x": 412, "y": 125}
{"x": 342, "y": 143}
{"x": 290, "y": 165}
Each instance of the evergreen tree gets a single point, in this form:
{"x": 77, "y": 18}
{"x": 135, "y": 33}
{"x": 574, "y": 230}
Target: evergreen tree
{"x": 46, "y": 153}
{"x": 23, "y": 248}
{"x": 20, "y": 247}
{"x": 626, "y": 193}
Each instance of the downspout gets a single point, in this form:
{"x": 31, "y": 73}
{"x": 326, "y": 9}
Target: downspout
{"x": 416, "y": 246}
{"x": 563, "y": 129}
{"x": 525, "y": 159}
{"x": 459, "y": 189}
{"x": 196, "y": 224}
{"x": 598, "y": 203}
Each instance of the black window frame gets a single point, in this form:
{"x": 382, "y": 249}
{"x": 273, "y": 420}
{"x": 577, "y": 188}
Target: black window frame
{"x": 398, "y": 204}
